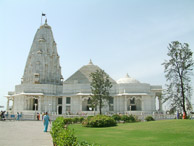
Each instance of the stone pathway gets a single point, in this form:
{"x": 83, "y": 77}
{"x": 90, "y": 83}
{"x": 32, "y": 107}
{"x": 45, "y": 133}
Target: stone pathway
{"x": 24, "y": 133}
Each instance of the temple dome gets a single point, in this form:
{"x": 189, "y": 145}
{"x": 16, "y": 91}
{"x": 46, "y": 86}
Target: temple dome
{"x": 127, "y": 80}
{"x": 83, "y": 74}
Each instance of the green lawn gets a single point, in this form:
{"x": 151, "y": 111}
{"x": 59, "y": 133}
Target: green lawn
{"x": 157, "y": 133}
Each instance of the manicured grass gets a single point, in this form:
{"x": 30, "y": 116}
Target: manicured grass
{"x": 156, "y": 133}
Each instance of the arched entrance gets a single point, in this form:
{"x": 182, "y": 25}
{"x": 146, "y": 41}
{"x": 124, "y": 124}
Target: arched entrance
{"x": 35, "y": 104}
{"x": 134, "y": 104}
{"x": 87, "y": 104}
{"x": 60, "y": 110}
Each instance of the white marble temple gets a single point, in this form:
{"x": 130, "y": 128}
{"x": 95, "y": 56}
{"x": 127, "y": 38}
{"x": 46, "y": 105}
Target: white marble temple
{"x": 42, "y": 87}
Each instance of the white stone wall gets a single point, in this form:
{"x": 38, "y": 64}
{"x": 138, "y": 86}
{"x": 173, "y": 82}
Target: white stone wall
{"x": 49, "y": 100}
{"x": 18, "y": 104}
{"x": 39, "y": 88}
{"x": 75, "y": 104}
{"x": 149, "y": 103}
{"x": 133, "y": 88}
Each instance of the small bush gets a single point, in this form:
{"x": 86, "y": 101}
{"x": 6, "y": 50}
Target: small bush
{"x": 61, "y": 136}
{"x": 89, "y": 117}
{"x": 75, "y": 120}
{"x": 85, "y": 143}
{"x": 131, "y": 119}
{"x": 124, "y": 118}
{"x": 128, "y": 119}
{"x": 149, "y": 118}
{"x": 65, "y": 137}
{"x": 99, "y": 121}
{"x": 81, "y": 119}
{"x": 68, "y": 121}
{"x": 136, "y": 118}
{"x": 188, "y": 117}
{"x": 116, "y": 117}
{"x": 85, "y": 123}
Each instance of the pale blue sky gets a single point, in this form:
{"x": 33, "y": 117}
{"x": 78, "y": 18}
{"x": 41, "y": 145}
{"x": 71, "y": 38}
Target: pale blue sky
{"x": 120, "y": 36}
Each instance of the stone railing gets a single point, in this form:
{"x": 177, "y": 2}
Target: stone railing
{"x": 54, "y": 116}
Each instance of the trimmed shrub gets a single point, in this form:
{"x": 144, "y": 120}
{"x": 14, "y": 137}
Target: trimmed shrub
{"x": 149, "y": 118}
{"x": 89, "y": 117}
{"x": 136, "y": 118}
{"x": 124, "y": 118}
{"x": 188, "y": 117}
{"x": 81, "y": 119}
{"x": 99, "y": 121}
{"x": 61, "y": 136}
{"x": 75, "y": 120}
{"x": 116, "y": 117}
{"x": 128, "y": 119}
{"x": 131, "y": 119}
{"x": 85, "y": 143}
{"x": 68, "y": 120}
{"x": 65, "y": 137}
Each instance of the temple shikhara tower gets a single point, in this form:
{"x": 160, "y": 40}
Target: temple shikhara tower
{"x": 42, "y": 66}
{"x": 41, "y": 83}
{"x": 42, "y": 87}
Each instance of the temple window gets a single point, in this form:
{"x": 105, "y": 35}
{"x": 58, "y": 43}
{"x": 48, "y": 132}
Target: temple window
{"x": 111, "y": 100}
{"x": 68, "y": 100}
{"x": 68, "y": 108}
{"x": 36, "y": 78}
{"x": 111, "y": 108}
{"x": 89, "y": 101}
{"x": 132, "y": 101}
{"x": 59, "y": 100}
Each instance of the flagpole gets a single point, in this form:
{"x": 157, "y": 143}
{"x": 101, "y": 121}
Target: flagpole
{"x": 43, "y": 14}
{"x": 41, "y": 20}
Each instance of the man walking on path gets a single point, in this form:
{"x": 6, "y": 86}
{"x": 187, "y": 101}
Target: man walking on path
{"x": 46, "y": 120}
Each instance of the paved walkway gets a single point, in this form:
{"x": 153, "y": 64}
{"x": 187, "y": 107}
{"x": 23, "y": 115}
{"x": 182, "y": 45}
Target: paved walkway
{"x": 24, "y": 133}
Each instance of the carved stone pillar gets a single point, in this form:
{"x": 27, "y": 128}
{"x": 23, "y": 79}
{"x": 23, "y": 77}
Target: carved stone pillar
{"x": 159, "y": 95}
{"x": 80, "y": 103}
{"x": 57, "y": 109}
{"x": 39, "y": 104}
{"x": 142, "y": 103}
{"x": 63, "y": 105}
{"x": 125, "y": 103}
{"x": 31, "y": 103}
{"x": 7, "y": 104}
{"x": 160, "y": 102}
{"x": 29, "y": 107}
{"x": 13, "y": 105}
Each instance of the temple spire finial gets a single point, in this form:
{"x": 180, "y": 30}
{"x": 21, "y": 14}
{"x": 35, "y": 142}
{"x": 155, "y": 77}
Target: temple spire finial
{"x": 90, "y": 63}
{"x": 46, "y": 21}
{"x": 43, "y": 15}
{"x": 127, "y": 75}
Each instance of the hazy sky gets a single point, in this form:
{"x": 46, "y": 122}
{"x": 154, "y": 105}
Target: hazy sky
{"x": 120, "y": 36}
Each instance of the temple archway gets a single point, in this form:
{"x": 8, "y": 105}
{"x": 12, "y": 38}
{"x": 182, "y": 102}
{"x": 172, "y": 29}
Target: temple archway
{"x": 134, "y": 104}
{"x": 87, "y": 104}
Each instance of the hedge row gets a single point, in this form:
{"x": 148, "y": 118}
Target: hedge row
{"x": 99, "y": 121}
{"x": 125, "y": 118}
{"x": 73, "y": 120}
{"x": 149, "y": 118}
{"x": 62, "y": 136}
{"x": 130, "y": 118}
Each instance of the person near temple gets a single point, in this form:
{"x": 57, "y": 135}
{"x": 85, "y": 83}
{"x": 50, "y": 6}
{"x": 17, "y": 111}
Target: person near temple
{"x": 46, "y": 121}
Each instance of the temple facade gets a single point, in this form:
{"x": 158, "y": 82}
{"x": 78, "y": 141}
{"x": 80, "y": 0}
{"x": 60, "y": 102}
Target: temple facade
{"x": 43, "y": 89}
